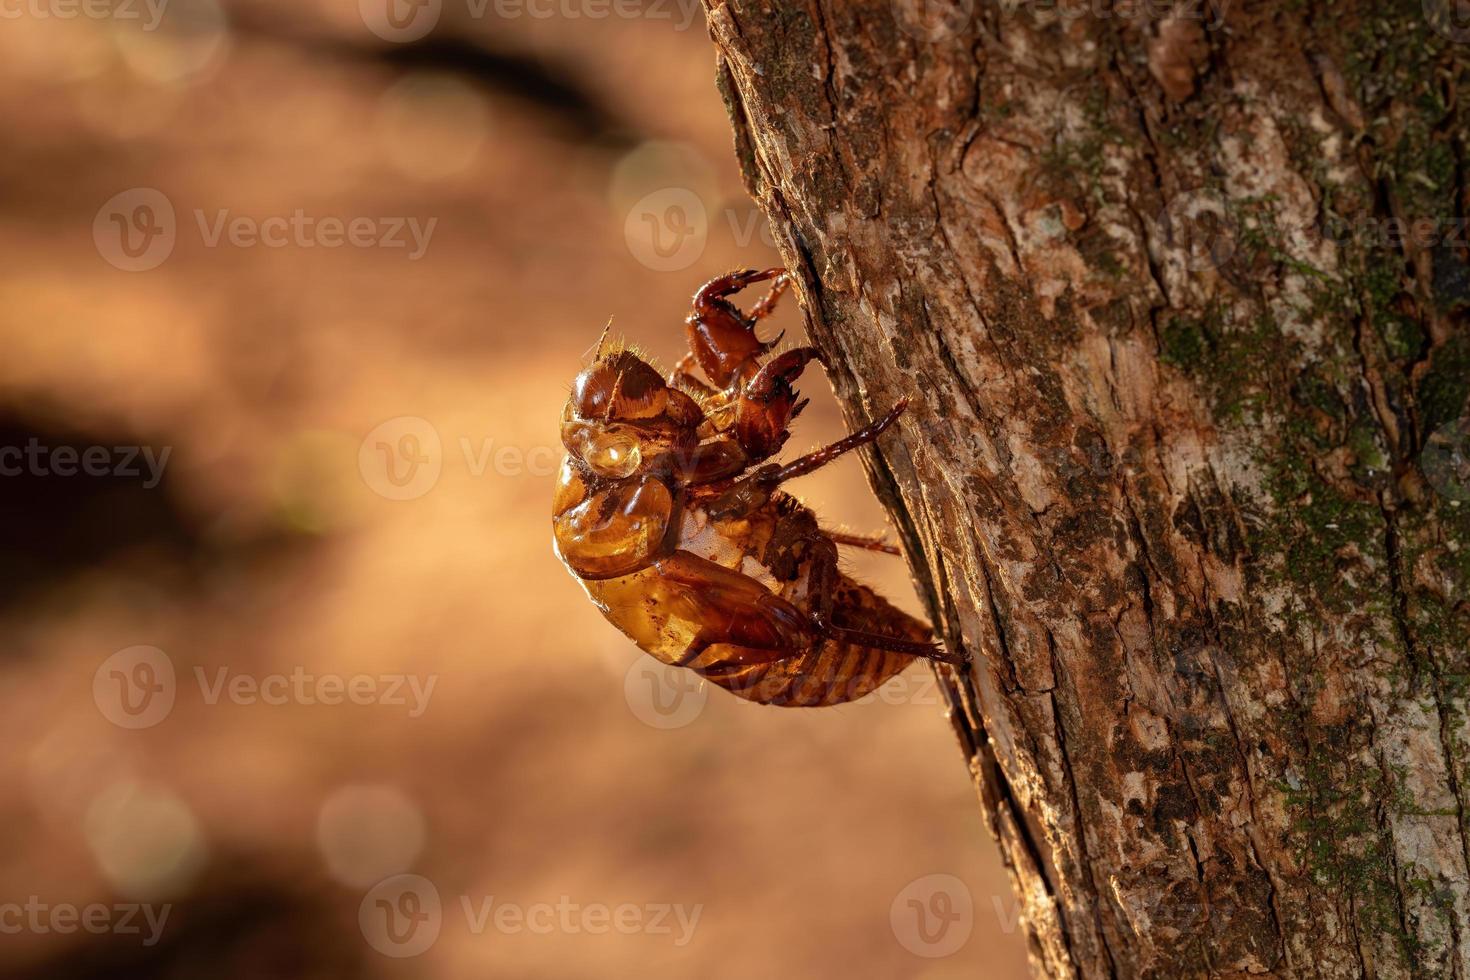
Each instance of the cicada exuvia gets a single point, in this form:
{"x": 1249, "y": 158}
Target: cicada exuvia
{"x": 668, "y": 513}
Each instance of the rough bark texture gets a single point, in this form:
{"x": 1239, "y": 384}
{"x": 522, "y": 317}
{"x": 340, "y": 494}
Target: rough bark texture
{"x": 1164, "y": 476}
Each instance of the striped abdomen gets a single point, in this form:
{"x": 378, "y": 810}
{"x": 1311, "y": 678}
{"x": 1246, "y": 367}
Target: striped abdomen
{"x": 834, "y": 672}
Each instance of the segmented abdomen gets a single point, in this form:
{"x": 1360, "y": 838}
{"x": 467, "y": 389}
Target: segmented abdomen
{"x": 781, "y": 547}
{"x": 834, "y": 672}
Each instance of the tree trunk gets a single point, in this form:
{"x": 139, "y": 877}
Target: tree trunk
{"x": 1180, "y": 471}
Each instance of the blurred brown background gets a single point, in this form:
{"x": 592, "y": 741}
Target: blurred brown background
{"x": 360, "y": 440}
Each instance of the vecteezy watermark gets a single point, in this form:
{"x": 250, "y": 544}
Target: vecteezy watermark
{"x": 1449, "y": 18}
{"x": 933, "y": 916}
{"x": 909, "y": 687}
{"x": 403, "y": 916}
{"x": 149, "y": 11}
{"x": 1211, "y": 12}
{"x": 937, "y": 20}
{"x": 37, "y": 459}
{"x": 661, "y": 696}
{"x": 684, "y": 13}
{"x": 401, "y": 21}
{"x": 137, "y": 229}
{"x": 405, "y": 21}
{"x": 667, "y": 698}
{"x": 300, "y": 687}
{"x": 1200, "y": 226}
{"x": 403, "y": 458}
{"x": 1446, "y": 460}
{"x": 1211, "y": 231}
{"x": 932, "y": 20}
{"x": 1161, "y": 911}
{"x": 667, "y": 230}
{"x": 1395, "y": 233}
{"x": 99, "y": 919}
{"x": 137, "y": 688}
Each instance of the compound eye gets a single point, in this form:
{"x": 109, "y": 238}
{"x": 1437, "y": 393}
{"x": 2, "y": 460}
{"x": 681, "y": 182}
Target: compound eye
{"x": 615, "y": 456}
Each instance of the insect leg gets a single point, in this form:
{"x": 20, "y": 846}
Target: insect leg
{"x": 821, "y": 457}
{"x": 768, "y": 403}
{"x": 682, "y": 376}
{"x": 754, "y": 490}
{"x": 868, "y": 542}
{"x": 721, "y": 338}
{"x": 711, "y": 462}
{"x": 822, "y": 586}
{"x": 929, "y": 651}
{"x": 767, "y": 304}
{"x": 733, "y": 609}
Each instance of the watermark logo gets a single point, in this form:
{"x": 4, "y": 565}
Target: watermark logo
{"x": 401, "y": 916}
{"x": 1208, "y": 231}
{"x": 933, "y": 916}
{"x": 402, "y": 458}
{"x": 909, "y": 687}
{"x": 1210, "y": 12}
{"x": 135, "y": 688}
{"x": 135, "y": 230}
{"x": 667, "y": 230}
{"x": 663, "y": 697}
{"x": 1449, "y": 18}
{"x": 37, "y": 459}
{"x": 1446, "y": 460}
{"x": 302, "y": 230}
{"x": 932, "y": 20}
{"x": 668, "y": 698}
{"x": 1396, "y": 233}
{"x": 688, "y": 11}
{"x": 400, "y": 21}
{"x": 149, "y": 11}
{"x": 1200, "y": 226}
{"x": 301, "y": 687}
{"x": 64, "y": 918}
{"x": 405, "y": 21}
{"x": 594, "y": 918}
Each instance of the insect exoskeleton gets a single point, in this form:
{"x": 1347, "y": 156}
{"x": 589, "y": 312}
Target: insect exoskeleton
{"x": 669, "y": 515}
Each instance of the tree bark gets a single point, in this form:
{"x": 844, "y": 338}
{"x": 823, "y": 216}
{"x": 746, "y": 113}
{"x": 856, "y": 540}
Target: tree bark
{"x": 1179, "y": 469}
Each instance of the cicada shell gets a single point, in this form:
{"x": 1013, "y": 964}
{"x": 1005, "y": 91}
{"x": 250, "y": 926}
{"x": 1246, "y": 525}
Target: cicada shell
{"x": 671, "y": 517}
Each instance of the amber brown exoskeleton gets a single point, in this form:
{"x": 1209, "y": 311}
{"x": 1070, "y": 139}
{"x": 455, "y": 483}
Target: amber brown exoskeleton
{"x": 668, "y": 513}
